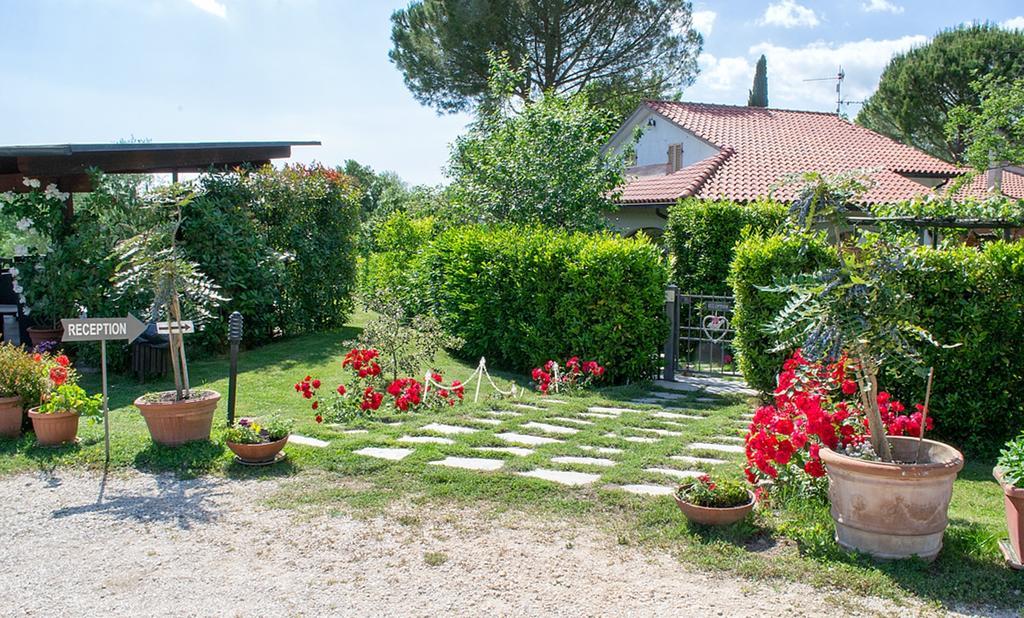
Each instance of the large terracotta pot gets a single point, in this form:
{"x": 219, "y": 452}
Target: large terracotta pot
{"x": 893, "y": 510}
{"x": 257, "y": 453}
{"x": 54, "y": 429}
{"x": 11, "y": 412}
{"x": 39, "y": 335}
{"x": 173, "y": 423}
{"x": 1014, "y": 501}
{"x": 710, "y": 516}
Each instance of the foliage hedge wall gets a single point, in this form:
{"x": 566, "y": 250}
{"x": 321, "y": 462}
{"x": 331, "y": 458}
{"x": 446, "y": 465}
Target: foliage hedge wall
{"x": 521, "y": 295}
{"x": 965, "y": 296}
{"x": 702, "y": 234}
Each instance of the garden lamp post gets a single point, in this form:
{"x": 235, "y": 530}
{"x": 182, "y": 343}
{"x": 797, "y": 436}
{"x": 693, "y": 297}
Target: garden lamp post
{"x": 234, "y": 337}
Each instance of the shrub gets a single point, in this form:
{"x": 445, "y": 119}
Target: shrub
{"x": 702, "y": 235}
{"x": 758, "y": 261}
{"x": 398, "y": 240}
{"x": 522, "y": 295}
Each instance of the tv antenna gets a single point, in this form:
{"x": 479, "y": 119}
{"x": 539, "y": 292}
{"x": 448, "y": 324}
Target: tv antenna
{"x": 838, "y": 78}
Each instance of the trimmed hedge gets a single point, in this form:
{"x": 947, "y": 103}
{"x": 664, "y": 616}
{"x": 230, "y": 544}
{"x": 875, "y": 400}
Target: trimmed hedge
{"x": 400, "y": 239}
{"x": 702, "y": 235}
{"x": 758, "y": 261}
{"x": 522, "y": 295}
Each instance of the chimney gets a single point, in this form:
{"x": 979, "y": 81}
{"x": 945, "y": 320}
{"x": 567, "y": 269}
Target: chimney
{"x": 994, "y": 179}
{"x": 675, "y": 157}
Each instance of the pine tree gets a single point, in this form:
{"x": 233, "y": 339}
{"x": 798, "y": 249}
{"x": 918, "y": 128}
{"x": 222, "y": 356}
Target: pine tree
{"x": 759, "y": 93}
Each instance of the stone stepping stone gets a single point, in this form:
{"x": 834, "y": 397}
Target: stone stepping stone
{"x": 558, "y": 401}
{"x": 556, "y": 429}
{"x": 661, "y": 432}
{"x": 674, "y": 424}
{"x": 707, "y": 400}
{"x": 679, "y": 474}
{"x": 355, "y": 432}
{"x": 486, "y": 421}
{"x": 637, "y": 439}
{"x": 514, "y": 450}
{"x": 678, "y": 386}
{"x": 470, "y": 463}
{"x": 526, "y": 406}
{"x": 598, "y": 415}
{"x": 307, "y": 441}
{"x": 698, "y": 460}
{"x": 614, "y": 411}
{"x": 579, "y": 421}
{"x": 665, "y": 395}
{"x": 501, "y": 413}
{"x": 604, "y": 450}
{"x": 520, "y": 438}
{"x": 391, "y": 454}
{"x": 448, "y": 429}
{"x": 425, "y": 440}
{"x": 747, "y": 416}
{"x": 677, "y": 416}
{"x": 729, "y": 439}
{"x": 563, "y": 477}
{"x": 722, "y": 448}
{"x": 585, "y": 461}
{"x": 648, "y": 490}
{"x": 648, "y": 401}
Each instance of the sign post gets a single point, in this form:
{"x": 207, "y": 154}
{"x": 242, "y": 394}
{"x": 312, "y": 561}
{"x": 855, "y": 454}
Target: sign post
{"x": 103, "y": 330}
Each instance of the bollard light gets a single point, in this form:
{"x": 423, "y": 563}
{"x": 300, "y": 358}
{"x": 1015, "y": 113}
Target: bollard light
{"x": 234, "y": 338}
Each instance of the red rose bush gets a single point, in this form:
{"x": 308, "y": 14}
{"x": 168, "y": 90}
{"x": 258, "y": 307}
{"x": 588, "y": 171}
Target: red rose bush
{"x": 575, "y": 376}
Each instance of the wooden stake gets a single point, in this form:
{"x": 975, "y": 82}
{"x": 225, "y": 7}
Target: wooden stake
{"x": 924, "y": 413}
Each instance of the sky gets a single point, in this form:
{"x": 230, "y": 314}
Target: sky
{"x": 99, "y": 71}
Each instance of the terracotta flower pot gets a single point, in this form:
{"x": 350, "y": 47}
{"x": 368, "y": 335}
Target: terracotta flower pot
{"x": 257, "y": 453}
{"x": 173, "y": 423}
{"x": 711, "y": 516}
{"x": 10, "y": 417}
{"x": 893, "y": 510}
{"x": 1014, "y": 501}
{"x": 54, "y": 429}
{"x": 39, "y": 335}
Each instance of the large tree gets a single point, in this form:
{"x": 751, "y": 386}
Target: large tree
{"x": 758, "y": 96}
{"x": 920, "y": 87}
{"x": 618, "y": 51}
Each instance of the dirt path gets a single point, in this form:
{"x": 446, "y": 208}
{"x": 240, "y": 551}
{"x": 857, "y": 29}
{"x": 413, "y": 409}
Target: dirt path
{"x": 155, "y": 545}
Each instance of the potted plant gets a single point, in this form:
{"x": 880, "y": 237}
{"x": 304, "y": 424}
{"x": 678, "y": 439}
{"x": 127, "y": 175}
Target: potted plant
{"x": 153, "y": 260}
{"x": 25, "y": 378}
{"x": 1009, "y": 472}
{"x": 890, "y": 500}
{"x": 55, "y": 422}
{"x": 706, "y": 501}
{"x": 255, "y": 442}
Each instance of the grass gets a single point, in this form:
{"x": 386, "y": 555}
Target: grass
{"x": 792, "y": 541}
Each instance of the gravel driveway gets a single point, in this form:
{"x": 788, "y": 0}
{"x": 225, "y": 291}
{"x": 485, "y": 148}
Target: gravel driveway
{"x": 155, "y": 545}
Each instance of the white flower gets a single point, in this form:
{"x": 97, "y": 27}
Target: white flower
{"x": 18, "y": 289}
{"x": 24, "y": 224}
{"x": 27, "y": 311}
{"x": 32, "y": 183}
{"x": 14, "y": 272}
{"x": 20, "y": 250}
{"x": 53, "y": 192}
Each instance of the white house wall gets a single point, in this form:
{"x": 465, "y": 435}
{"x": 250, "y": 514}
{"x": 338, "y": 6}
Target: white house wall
{"x": 653, "y": 145}
{"x": 629, "y": 219}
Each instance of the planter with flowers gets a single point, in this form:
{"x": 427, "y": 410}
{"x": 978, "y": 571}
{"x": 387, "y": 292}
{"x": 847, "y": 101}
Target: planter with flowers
{"x": 1009, "y": 472}
{"x": 55, "y": 422}
{"x": 153, "y": 260}
{"x": 25, "y": 380}
{"x": 889, "y": 494}
{"x": 573, "y": 377}
{"x": 256, "y": 442}
{"x": 710, "y": 502}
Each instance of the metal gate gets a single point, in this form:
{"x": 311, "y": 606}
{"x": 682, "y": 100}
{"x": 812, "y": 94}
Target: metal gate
{"x": 702, "y": 333}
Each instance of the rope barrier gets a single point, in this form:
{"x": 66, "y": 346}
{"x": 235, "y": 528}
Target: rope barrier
{"x": 478, "y": 374}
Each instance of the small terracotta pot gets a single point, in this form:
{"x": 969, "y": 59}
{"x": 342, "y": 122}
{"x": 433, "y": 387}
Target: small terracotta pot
{"x": 54, "y": 429}
{"x": 893, "y": 510}
{"x": 39, "y": 335}
{"x": 173, "y": 423}
{"x": 1014, "y": 501}
{"x": 11, "y": 413}
{"x": 710, "y": 516}
{"x": 257, "y": 453}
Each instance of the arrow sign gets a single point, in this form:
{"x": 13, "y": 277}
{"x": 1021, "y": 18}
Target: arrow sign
{"x": 184, "y": 327}
{"x": 102, "y": 329}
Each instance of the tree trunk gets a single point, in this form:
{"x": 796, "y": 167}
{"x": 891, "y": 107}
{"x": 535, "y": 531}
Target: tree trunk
{"x": 867, "y": 377}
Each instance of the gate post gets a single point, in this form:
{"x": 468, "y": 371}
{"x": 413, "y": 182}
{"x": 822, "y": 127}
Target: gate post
{"x": 672, "y": 342}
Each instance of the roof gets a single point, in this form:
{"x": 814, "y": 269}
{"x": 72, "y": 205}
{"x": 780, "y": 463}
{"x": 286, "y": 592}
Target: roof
{"x": 760, "y": 147}
{"x": 1012, "y": 185}
{"x": 67, "y": 165}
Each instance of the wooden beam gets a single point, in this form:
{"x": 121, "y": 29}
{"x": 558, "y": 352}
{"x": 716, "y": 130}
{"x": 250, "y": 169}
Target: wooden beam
{"x": 146, "y": 162}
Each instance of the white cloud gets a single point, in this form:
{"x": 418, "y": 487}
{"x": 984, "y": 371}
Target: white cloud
{"x": 213, "y": 7}
{"x": 881, "y": 6}
{"x": 1014, "y": 23}
{"x": 789, "y": 14}
{"x": 724, "y": 75}
{"x": 704, "y": 21}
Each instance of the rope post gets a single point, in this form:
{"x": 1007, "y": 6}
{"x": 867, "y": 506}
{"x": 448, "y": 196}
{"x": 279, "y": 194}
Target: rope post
{"x": 480, "y": 369}
{"x": 234, "y": 337}
{"x": 671, "y": 351}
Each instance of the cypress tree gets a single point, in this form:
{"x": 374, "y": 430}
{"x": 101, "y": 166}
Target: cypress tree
{"x": 759, "y": 93}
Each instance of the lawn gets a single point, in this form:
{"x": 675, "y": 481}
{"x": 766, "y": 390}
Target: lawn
{"x": 792, "y": 540}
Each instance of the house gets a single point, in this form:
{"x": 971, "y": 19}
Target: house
{"x": 744, "y": 153}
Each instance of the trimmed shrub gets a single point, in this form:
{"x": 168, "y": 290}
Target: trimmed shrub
{"x": 702, "y": 235}
{"x": 522, "y": 295}
{"x": 399, "y": 239}
{"x": 758, "y": 262}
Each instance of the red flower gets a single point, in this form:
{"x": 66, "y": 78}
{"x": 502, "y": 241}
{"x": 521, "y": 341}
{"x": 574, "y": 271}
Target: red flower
{"x": 316, "y": 404}
{"x": 849, "y": 387}
{"x": 316, "y": 383}
{"x": 37, "y": 357}
{"x": 319, "y": 419}
{"x": 341, "y": 389}
{"x": 814, "y": 468}
{"x": 58, "y": 375}
{"x": 63, "y": 360}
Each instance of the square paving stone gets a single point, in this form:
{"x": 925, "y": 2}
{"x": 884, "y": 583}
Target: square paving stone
{"x": 698, "y": 460}
{"x": 425, "y": 440}
{"x": 514, "y": 450}
{"x": 585, "y": 461}
{"x": 556, "y": 429}
{"x": 519, "y": 438}
{"x": 677, "y": 416}
{"x": 526, "y": 406}
{"x": 598, "y": 415}
{"x": 648, "y": 490}
{"x": 722, "y": 448}
{"x": 470, "y": 463}
{"x": 486, "y": 421}
{"x": 448, "y": 429}
{"x": 679, "y": 474}
{"x": 562, "y": 476}
{"x": 306, "y": 441}
{"x": 392, "y": 454}
{"x": 502, "y": 413}
{"x": 604, "y": 450}
{"x": 637, "y": 439}
{"x": 607, "y": 410}
{"x": 579, "y": 421}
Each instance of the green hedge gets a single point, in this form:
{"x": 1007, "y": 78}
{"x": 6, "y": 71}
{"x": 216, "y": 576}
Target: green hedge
{"x": 758, "y": 261}
{"x": 702, "y": 234}
{"x": 399, "y": 239}
{"x": 521, "y": 295}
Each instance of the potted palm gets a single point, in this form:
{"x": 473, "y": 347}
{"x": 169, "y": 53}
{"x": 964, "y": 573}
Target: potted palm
{"x": 55, "y": 422}
{"x": 891, "y": 500}
{"x": 1009, "y": 472}
{"x": 153, "y": 260}
{"x": 256, "y": 442}
{"x": 706, "y": 501}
